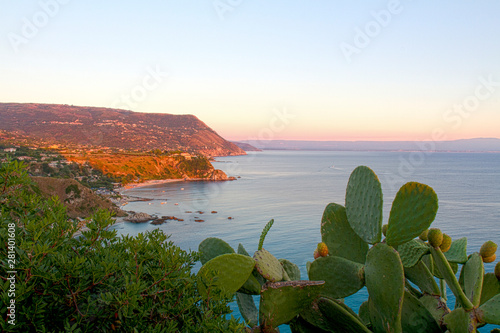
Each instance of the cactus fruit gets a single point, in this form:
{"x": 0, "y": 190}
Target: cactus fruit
{"x": 497, "y": 270}
{"x": 423, "y": 235}
{"x": 446, "y": 244}
{"x": 489, "y": 259}
{"x": 435, "y": 237}
{"x": 322, "y": 249}
{"x": 488, "y": 249}
{"x": 316, "y": 254}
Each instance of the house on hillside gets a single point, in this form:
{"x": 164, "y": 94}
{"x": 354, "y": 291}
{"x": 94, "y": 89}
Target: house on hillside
{"x": 10, "y": 150}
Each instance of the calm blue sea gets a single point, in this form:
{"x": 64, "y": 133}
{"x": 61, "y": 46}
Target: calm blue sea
{"x": 293, "y": 188}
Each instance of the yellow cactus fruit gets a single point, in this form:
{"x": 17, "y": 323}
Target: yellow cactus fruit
{"x": 446, "y": 244}
{"x": 316, "y": 254}
{"x": 384, "y": 229}
{"x": 488, "y": 249}
{"x": 489, "y": 259}
{"x": 497, "y": 270}
{"x": 423, "y": 235}
{"x": 435, "y": 237}
{"x": 322, "y": 249}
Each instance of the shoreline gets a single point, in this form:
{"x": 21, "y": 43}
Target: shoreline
{"x": 152, "y": 182}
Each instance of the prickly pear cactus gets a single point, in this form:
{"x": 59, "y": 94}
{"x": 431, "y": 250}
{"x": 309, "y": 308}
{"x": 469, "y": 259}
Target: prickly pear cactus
{"x": 340, "y": 238}
{"x": 363, "y": 204}
{"x": 280, "y": 302}
{"x": 412, "y": 212}
{"x": 224, "y": 275}
{"x": 212, "y": 247}
{"x": 384, "y": 278}
{"x": 268, "y": 266}
{"x": 342, "y": 277}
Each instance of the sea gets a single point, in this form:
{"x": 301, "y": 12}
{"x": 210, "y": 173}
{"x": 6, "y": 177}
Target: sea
{"x": 294, "y": 187}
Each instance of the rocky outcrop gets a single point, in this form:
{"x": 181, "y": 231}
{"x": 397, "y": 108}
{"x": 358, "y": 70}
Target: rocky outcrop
{"x": 139, "y": 217}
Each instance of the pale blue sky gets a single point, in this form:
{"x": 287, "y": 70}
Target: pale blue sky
{"x": 265, "y": 69}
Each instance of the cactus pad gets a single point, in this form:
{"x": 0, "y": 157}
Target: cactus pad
{"x": 423, "y": 278}
{"x": 497, "y": 270}
{"x": 411, "y": 252}
{"x": 416, "y": 318}
{"x": 241, "y": 250}
{"x": 363, "y": 204}
{"x": 280, "y": 302}
{"x": 384, "y": 278}
{"x": 473, "y": 273}
{"x": 338, "y": 235}
{"x": 212, "y": 247}
{"x": 342, "y": 277}
{"x": 333, "y": 316}
{"x": 458, "y": 321}
{"x": 224, "y": 274}
{"x": 268, "y": 266}
{"x": 248, "y": 309}
{"x": 291, "y": 269}
{"x": 489, "y": 312}
{"x": 413, "y": 210}
{"x": 458, "y": 251}
{"x": 491, "y": 287}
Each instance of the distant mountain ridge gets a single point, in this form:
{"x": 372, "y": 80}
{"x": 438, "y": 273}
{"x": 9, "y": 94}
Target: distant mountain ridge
{"x": 463, "y": 145}
{"x": 113, "y": 128}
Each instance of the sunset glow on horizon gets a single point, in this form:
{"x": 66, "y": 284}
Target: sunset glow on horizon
{"x": 252, "y": 70}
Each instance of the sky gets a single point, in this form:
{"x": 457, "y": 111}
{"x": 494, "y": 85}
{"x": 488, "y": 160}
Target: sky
{"x": 259, "y": 70}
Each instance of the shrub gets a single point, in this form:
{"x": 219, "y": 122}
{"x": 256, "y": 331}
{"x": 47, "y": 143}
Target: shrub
{"x": 94, "y": 282}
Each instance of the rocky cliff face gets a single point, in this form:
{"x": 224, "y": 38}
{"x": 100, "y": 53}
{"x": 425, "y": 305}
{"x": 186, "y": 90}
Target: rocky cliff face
{"x": 113, "y": 128}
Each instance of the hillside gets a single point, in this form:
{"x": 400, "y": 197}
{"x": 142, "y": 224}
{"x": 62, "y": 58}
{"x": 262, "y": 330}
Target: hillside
{"x": 128, "y": 168}
{"x": 112, "y": 128}
{"x": 79, "y": 200}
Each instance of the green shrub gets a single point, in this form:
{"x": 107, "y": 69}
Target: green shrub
{"x": 96, "y": 282}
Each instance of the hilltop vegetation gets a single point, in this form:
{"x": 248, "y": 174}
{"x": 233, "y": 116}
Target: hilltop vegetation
{"x": 103, "y": 128}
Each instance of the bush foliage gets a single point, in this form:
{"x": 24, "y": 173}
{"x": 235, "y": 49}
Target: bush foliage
{"x": 97, "y": 281}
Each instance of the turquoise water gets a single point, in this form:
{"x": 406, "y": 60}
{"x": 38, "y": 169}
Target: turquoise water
{"x": 293, "y": 188}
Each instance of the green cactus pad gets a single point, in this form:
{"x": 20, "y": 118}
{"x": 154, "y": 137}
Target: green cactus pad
{"x": 423, "y": 278}
{"x": 411, "y": 252}
{"x": 338, "y": 235}
{"x": 300, "y": 325}
{"x": 473, "y": 273}
{"x": 291, "y": 269}
{"x": 212, "y": 247}
{"x": 416, "y": 318}
{"x": 460, "y": 321}
{"x": 364, "y": 313}
{"x": 489, "y": 312}
{"x": 247, "y": 309}
{"x": 241, "y": 250}
{"x": 363, "y": 204}
{"x": 491, "y": 287}
{"x": 333, "y": 316}
{"x": 384, "y": 278}
{"x": 412, "y": 212}
{"x": 224, "y": 275}
{"x": 253, "y": 284}
{"x": 458, "y": 251}
{"x": 280, "y": 302}
{"x": 268, "y": 266}
{"x": 342, "y": 277}
{"x": 435, "y": 305}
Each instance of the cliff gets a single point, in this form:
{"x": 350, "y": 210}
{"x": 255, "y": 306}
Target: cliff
{"x": 113, "y": 128}
{"x": 79, "y": 200}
